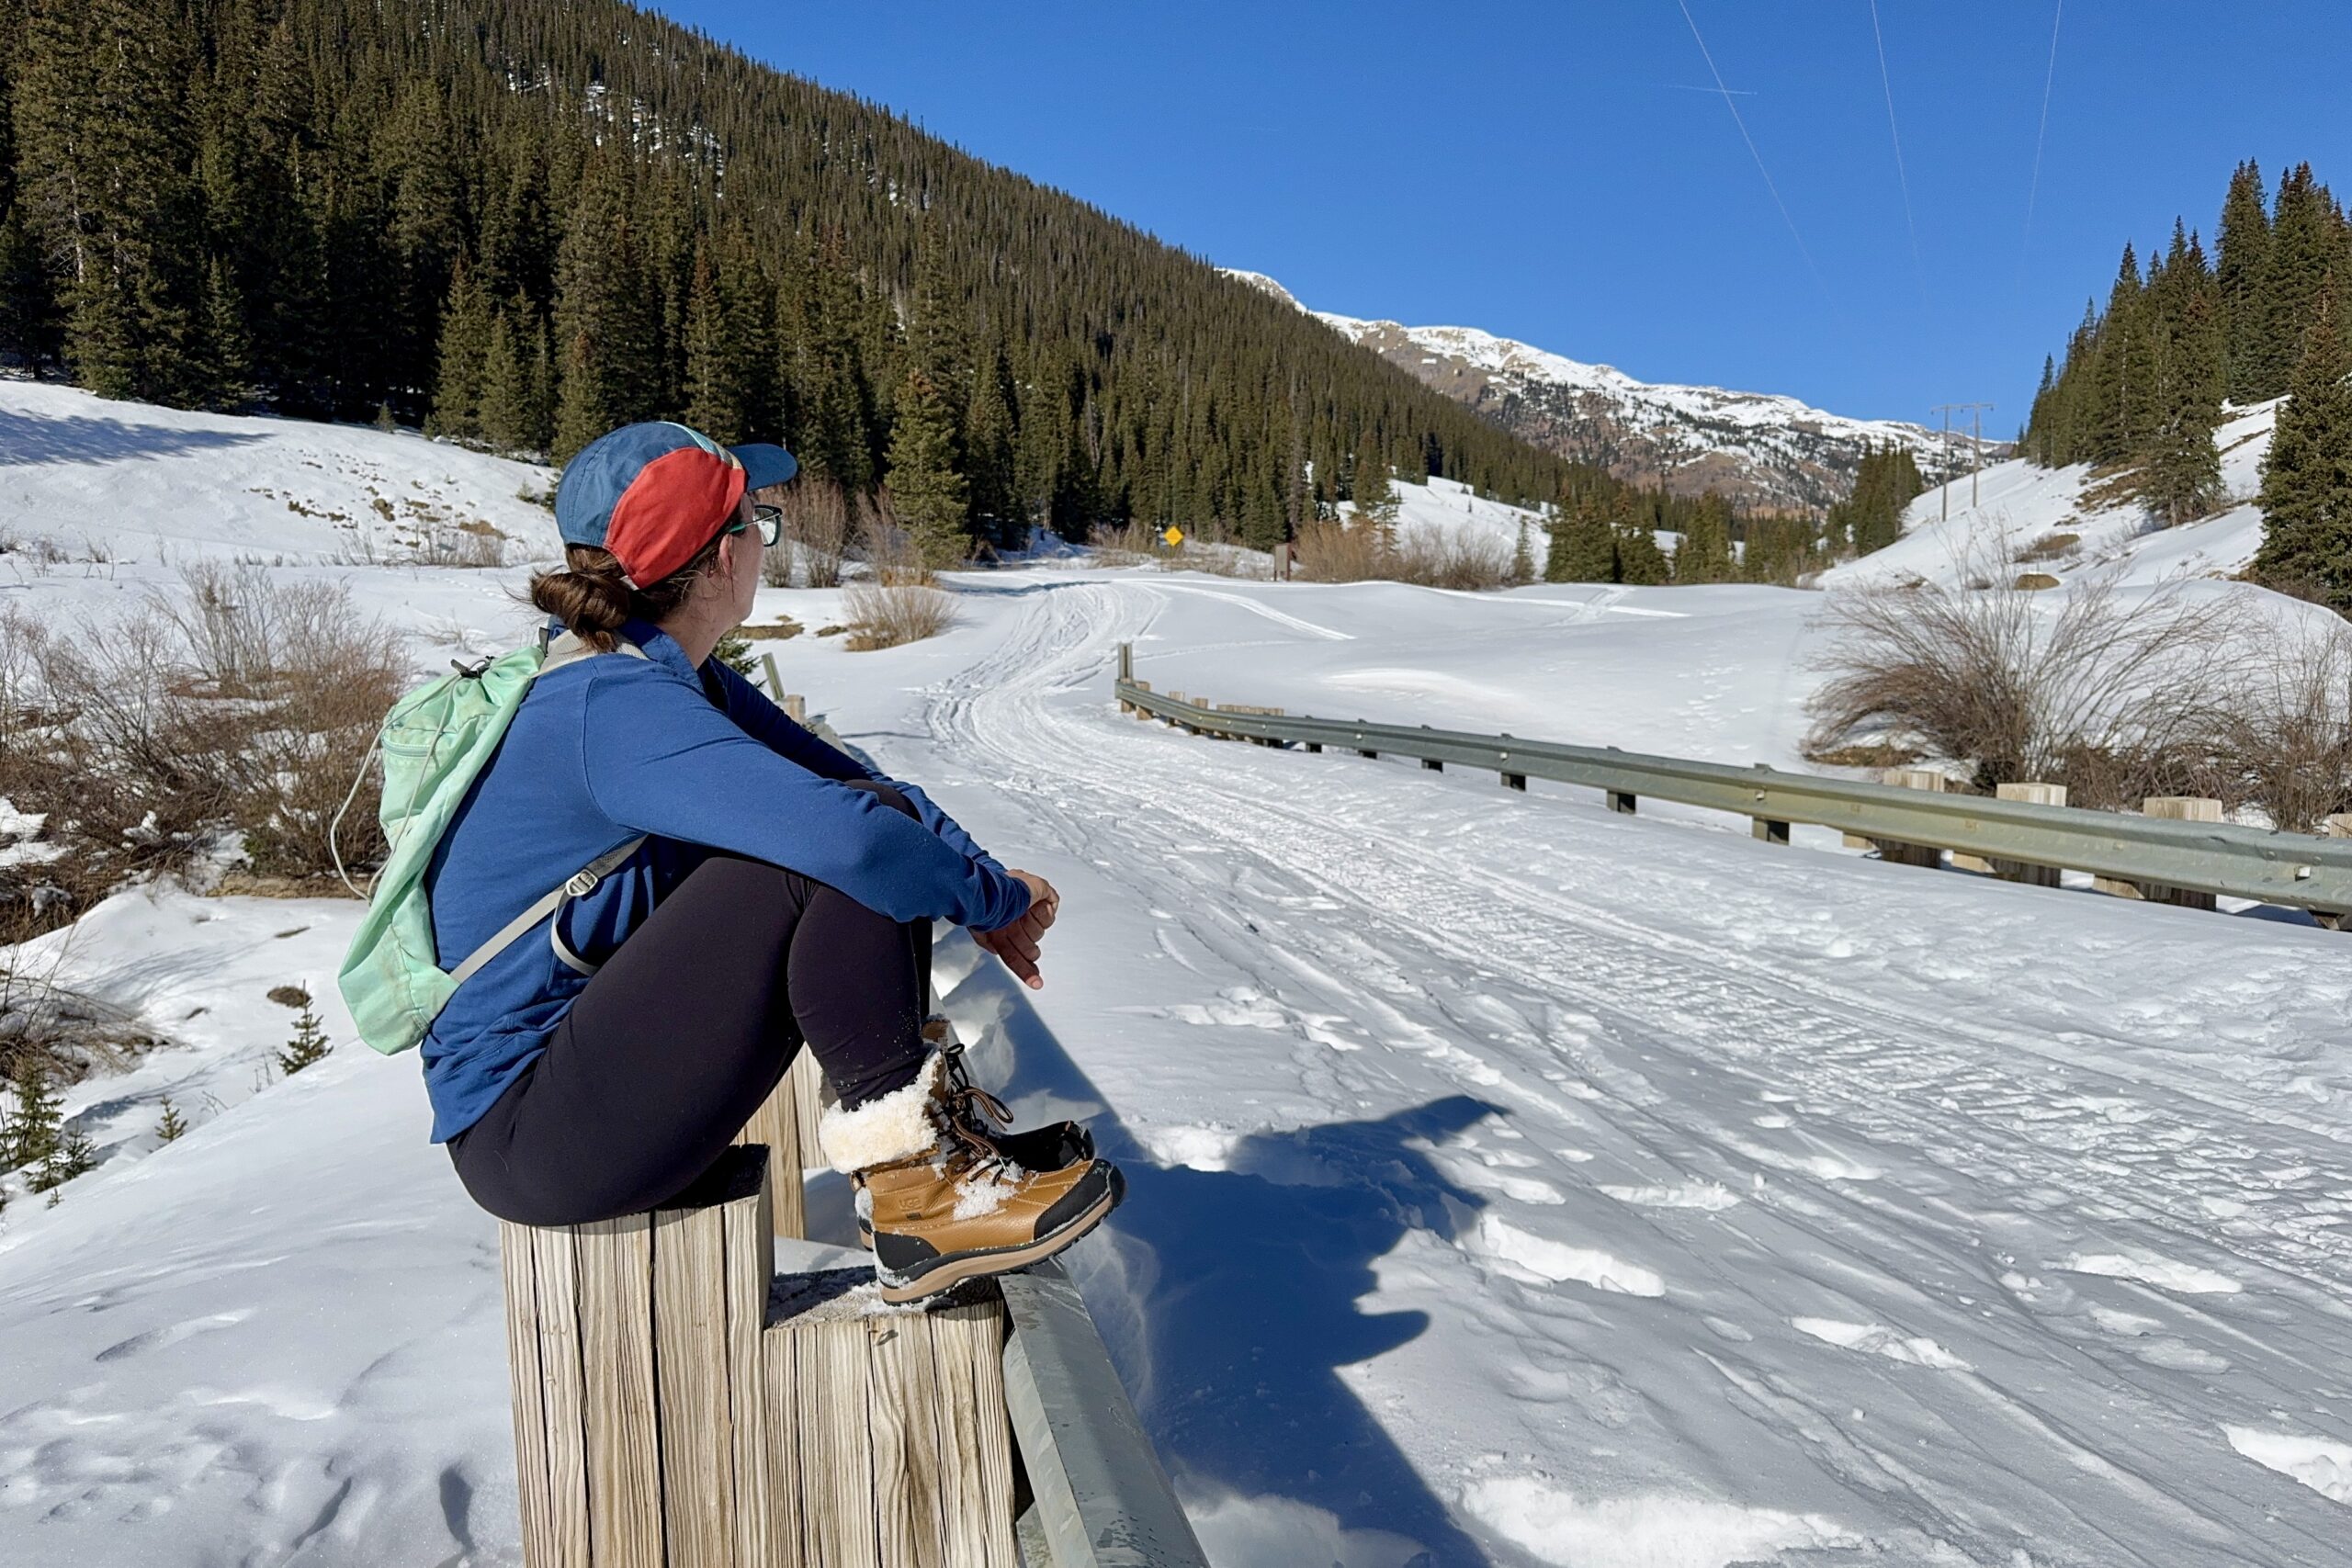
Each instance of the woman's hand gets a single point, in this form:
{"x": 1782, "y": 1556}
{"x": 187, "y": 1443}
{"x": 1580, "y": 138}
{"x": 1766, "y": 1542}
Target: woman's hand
{"x": 1017, "y": 944}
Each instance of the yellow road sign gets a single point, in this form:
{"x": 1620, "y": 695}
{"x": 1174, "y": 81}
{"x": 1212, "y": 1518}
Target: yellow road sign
{"x": 1173, "y": 536}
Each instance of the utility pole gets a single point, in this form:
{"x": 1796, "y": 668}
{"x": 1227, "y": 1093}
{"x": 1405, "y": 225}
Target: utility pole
{"x": 1975, "y": 459}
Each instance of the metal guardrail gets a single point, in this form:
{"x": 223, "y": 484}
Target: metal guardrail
{"x": 1100, "y": 1499}
{"x": 2292, "y": 869}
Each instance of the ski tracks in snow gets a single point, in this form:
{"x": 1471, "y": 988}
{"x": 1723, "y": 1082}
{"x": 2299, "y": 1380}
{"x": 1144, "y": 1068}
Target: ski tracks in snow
{"x": 1811, "y": 1191}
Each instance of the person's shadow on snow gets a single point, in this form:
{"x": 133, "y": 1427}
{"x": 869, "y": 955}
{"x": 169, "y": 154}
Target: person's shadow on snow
{"x": 1254, "y": 1276}
{"x": 1228, "y": 1296}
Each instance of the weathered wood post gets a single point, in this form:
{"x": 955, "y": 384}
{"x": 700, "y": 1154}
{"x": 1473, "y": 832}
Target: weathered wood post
{"x": 1768, "y": 830}
{"x": 2018, "y": 870}
{"x": 775, "y": 681}
{"x": 1622, "y": 801}
{"x": 640, "y": 1408}
{"x": 677, "y": 1407}
{"x": 1894, "y": 850}
{"x": 2181, "y": 809}
{"x": 786, "y": 1123}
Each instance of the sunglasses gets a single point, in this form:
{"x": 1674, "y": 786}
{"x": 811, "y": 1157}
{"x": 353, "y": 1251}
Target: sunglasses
{"x": 768, "y": 519}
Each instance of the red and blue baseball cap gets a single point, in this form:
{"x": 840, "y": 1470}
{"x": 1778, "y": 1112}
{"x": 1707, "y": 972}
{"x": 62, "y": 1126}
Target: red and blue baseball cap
{"x": 655, "y": 493}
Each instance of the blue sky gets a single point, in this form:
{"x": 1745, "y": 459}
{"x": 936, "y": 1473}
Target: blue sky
{"x": 1567, "y": 175}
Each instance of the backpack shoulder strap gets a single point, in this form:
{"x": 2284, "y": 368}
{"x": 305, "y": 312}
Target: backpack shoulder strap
{"x": 578, "y": 885}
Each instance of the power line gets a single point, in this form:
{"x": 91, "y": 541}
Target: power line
{"x": 1918, "y": 274}
{"x": 2034, "y": 190}
{"x": 1801, "y": 249}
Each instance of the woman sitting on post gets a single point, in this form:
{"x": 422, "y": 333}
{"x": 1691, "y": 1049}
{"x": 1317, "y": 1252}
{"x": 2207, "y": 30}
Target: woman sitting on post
{"x": 782, "y": 895}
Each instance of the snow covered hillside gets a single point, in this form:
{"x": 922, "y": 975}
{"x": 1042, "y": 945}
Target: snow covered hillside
{"x": 2061, "y": 522}
{"x": 1752, "y": 446}
{"x": 1511, "y": 1183}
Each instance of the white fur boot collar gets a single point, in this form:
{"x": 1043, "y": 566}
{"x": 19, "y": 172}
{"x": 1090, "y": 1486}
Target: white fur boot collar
{"x": 894, "y": 1126}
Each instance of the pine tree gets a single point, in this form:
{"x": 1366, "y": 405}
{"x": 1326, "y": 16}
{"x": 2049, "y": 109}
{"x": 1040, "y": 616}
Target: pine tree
{"x": 1639, "y": 561}
{"x": 170, "y": 1128}
{"x": 465, "y": 348}
{"x": 2307, "y": 475}
{"x": 226, "y": 346}
{"x": 507, "y": 420}
{"x": 2118, "y": 417}
{"x": 926, "y": 491}
{"x": 309, "y": 1044}
{"x": 32, "y": 331}
{"x": 1704, "y": 555}
{"x": 2306, "y": 241}
{"x": 2242, "y": 261}
{"x": 32, "y": 1130}
{"x": 1523, "y": 560}
{"x": 1584, "y": 545}
{"x": 714, "y": 392}
{"x": 1375, "y": 498}
{"x": 734, "y": 650}
{"x": 2181, "y": 477}
{"x": 990, "y": 429}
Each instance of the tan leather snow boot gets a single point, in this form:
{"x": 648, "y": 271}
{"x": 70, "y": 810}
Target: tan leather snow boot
{"x": 943, "y": 1205}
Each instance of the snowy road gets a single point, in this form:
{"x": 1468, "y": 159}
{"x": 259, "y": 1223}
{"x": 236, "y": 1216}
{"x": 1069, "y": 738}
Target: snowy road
{"x": 1522, "y": 1184}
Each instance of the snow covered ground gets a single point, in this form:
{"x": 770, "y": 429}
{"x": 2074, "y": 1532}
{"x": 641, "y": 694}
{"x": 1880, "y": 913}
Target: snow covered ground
{"x": 1511, "y": 1183}
{"x": 2057, "y": 522}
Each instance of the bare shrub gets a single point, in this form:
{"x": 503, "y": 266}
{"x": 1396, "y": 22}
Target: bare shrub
{"x": 1355, "y": 551}
{"x": 2050, "y": 547}
{"x": 2102, "y": 692}
{"x": 1134, "y": 544}
{"x": 816, "y": 535}
{"x": 1464, "y": 558}
{"x": 1341, "y": 552}
{"x": 892, "y": 613}
{"x": 2280, "y": 739}
{"x": 891, "y": 552}
{"x": 242, "y": 704}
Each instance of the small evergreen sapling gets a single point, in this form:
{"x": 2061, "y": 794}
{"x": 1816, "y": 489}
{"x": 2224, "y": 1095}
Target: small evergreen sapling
{"x": 309, "y": 1043}
{"x": 31, "y": 1132}
{"x": 171, "y": 1127}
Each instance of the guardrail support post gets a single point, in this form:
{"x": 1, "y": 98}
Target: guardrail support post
{"x": 2018, "y": 870}
{"x": 1896, "y": 852}
{"x": 1430, "y": 764}
{"x": 1515, "y": 781}
{"x": 1768, "y": 830}
{"x": 1621, "y": 802}
{"x": 2181, "y": 809}
{"x": 1316, "y": 746}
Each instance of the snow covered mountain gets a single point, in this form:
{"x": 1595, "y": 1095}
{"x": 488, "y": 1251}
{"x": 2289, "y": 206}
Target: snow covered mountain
{"x": 1752, "y": 446}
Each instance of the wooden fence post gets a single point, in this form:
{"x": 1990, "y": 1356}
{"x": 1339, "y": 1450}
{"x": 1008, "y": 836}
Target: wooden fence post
{"x": 2181, "y": 809}
{"x": 1621, "y": 802}
{"x": 1894, "y": 850}
{"x": 1768, "y": 830}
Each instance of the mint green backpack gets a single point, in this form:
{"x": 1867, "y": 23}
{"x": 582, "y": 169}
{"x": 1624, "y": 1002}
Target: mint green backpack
{"x": 435, "y": 742}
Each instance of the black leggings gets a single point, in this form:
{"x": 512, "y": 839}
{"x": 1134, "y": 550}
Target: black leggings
{"x": 690, "y": 1025}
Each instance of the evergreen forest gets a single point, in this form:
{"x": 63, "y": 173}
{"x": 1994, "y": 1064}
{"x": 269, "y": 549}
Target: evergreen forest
{"x": 2143, "y": 381}
{"x": 519, "y": 223}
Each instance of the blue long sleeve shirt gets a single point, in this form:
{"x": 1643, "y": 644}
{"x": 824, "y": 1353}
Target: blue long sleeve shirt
{"x": 610, "y": 748}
